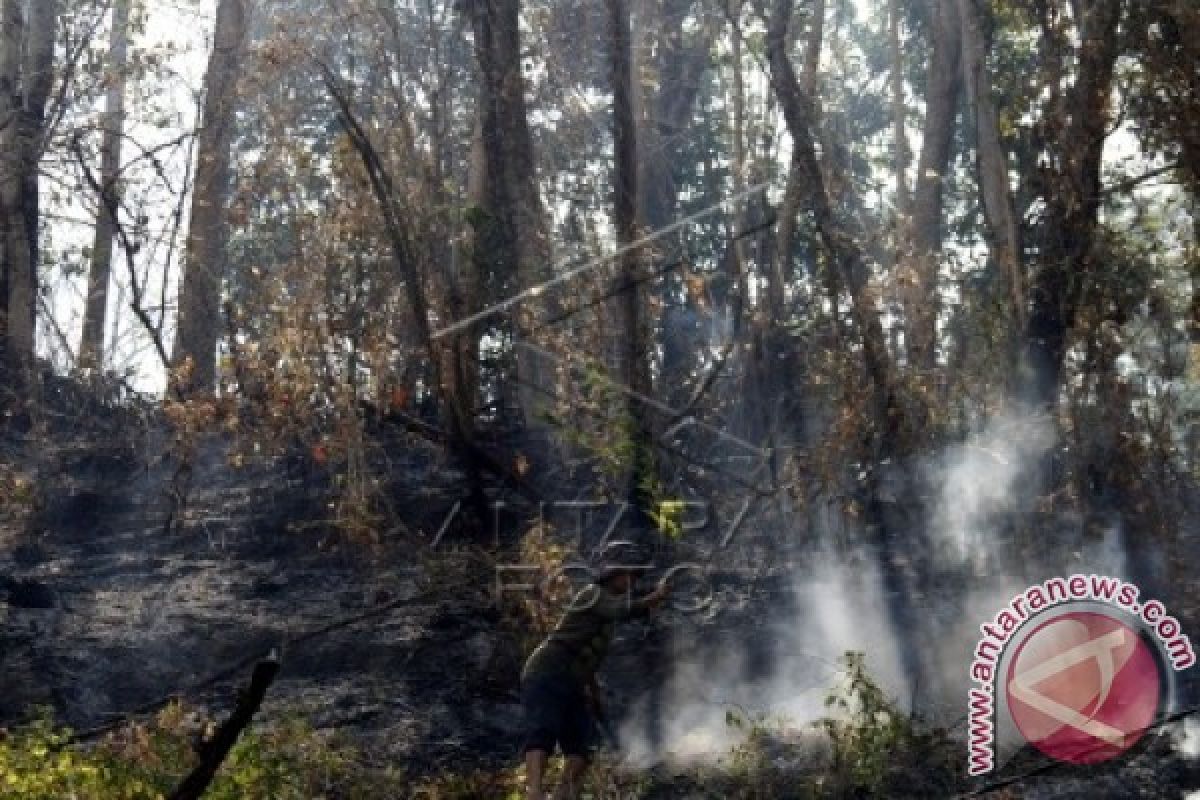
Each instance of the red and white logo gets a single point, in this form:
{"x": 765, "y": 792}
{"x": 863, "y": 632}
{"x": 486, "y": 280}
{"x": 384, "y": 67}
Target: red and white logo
{"x": 1083, "y": 687}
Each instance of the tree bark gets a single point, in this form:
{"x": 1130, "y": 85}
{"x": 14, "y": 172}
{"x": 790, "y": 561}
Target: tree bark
{"x": 944, "y": 82}
{"x": 839, "y": 242}
{"x": 903, "y": 152}
{"x": 634, "y": 367}
{"x": 785, "y": 232}
{"x": 91, "y": 347}
{"x": 518, "y": 243}
{"x": 678, "y": 63}
{"x": 1072, "y": 197}
{"x": 991, "y": 164}
{"x": 635, "y": 341}
{"x": 26, "y": 75}
{"x": 1193, "y": 322}
{"x": 204, "y": 268}
{"x": 738, "y": 135}
{"x": 12, "y": 237}
{"x": 214, "y": 751}
{"x": 472, "y": 266}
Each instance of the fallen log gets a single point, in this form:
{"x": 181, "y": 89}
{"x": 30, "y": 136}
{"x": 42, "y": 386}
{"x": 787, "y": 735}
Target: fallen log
{"x": 214, "y": 750}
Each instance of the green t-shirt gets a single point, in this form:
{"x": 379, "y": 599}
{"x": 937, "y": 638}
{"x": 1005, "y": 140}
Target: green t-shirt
{"x": 581, "y": 639}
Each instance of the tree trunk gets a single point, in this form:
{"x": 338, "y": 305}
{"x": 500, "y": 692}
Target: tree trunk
{"x": 841, "y": 243}
{"x": 944, "y": 82}
{"x": 16, "y": 341}
{"x": 472, "y": 269}
{"x": 785, "y": 232}
{"x": 668, "y": 65}
{"x": 212, "y": 752}
{"x": 634, "y": 353}
{"x": 204, "y": 268}
{"x": 91, "y": 346}
{"x": 635, "y": 350}
{"x": 992, "y": 165}
{"x": 1067, "y": 227}
{"x": 738, "y": 253}
{"x": 678, "y": 64}
{"x": 903, "y": 153}
{"x": 1193, "y": 322}
{"x": 26, "y": 75}
{"x": 519, "y": 247}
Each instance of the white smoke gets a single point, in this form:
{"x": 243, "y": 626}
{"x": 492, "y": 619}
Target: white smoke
{"x": 839, "y": 605}
{"x": 1187, "y": 740}
{"x": 976, "y": 481}
{"x": 978, "y": 484}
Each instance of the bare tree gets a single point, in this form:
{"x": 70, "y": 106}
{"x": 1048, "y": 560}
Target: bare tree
{"x": 412, "y": 247}
{"x": 91, "y": 347}
{"x": 200, "y": 294}
{"x": 944, "y": 82}
{"x": 808, "y": 182}
{"x": 841, "y": 240}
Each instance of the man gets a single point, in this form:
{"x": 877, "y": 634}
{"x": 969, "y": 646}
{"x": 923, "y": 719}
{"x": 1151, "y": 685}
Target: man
{"x": 558, "y": 685}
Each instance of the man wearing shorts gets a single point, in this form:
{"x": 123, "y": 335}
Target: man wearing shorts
{"x": 558, "y": 685}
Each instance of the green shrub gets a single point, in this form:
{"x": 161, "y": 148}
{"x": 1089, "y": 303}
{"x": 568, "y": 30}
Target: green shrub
{"x": 877, "y": 749}
{"x": 869, "y": 748}
{"x": 284, "y": 761}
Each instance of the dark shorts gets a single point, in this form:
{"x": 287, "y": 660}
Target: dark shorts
{"x": 556, "y": 713}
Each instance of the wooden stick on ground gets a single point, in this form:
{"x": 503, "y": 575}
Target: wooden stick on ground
{"x": 214, "y": 751}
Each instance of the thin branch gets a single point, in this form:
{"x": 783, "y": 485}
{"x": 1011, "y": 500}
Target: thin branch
{"x": 1129, "y": 184}
{"x": 48, "y": 316}
{"x": 129, "y": 248}
{"x": 58, "y": 108}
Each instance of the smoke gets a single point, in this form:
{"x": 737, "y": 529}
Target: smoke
{"x": 837, "y": 603}
{"x": 1187, "y": 739}
{"x": 977, "y": 481}
{"x": 836, "y": 606}
{"x": 983, "y": 488}
{"x": 985, "y": 527}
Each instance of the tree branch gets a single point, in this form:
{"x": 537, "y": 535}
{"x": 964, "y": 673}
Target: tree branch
{"x": 1134, "y": 182}
{"x": 214, "y": 751}
{"x": 129, "y": 248}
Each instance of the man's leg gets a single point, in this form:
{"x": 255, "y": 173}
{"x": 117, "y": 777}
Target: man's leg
{"x": 572, "y": 779}
{"x": 535, "y": 767}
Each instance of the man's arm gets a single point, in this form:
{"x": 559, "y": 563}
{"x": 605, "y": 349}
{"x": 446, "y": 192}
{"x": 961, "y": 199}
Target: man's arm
{"x": 655, "y": 600}
{"x": 619, "y": 607}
